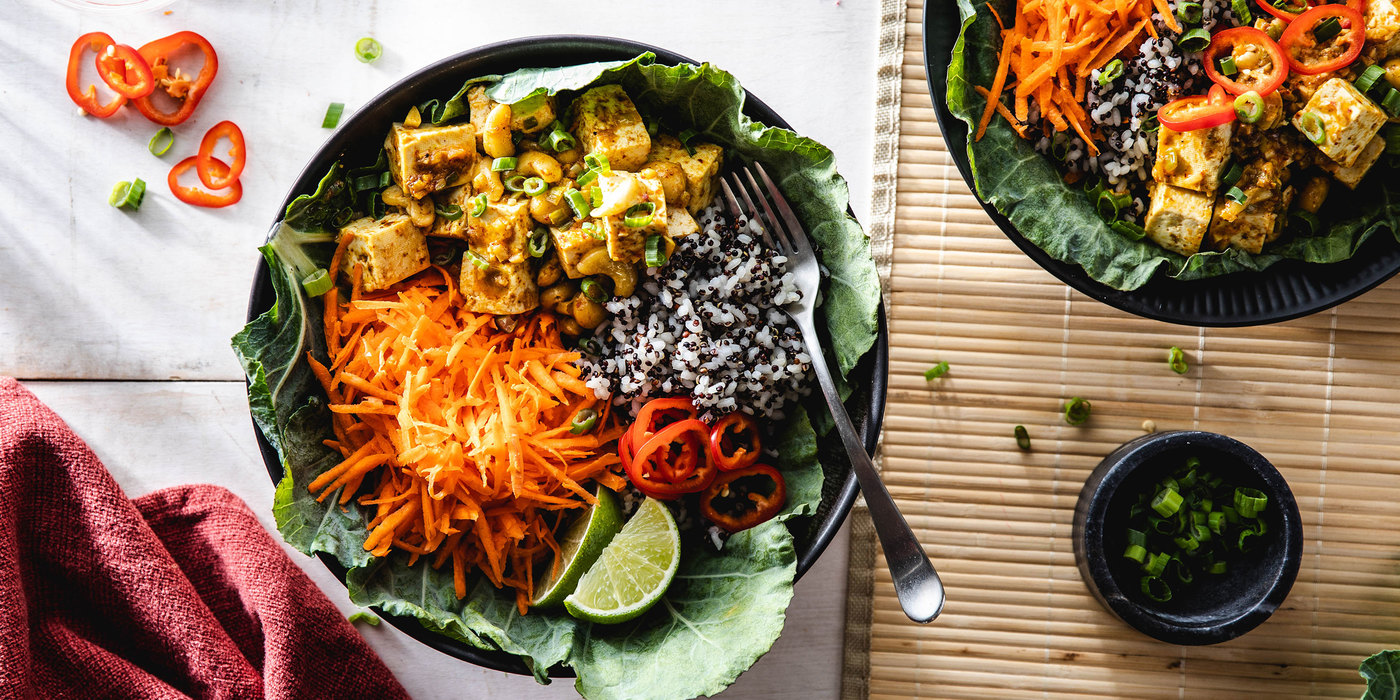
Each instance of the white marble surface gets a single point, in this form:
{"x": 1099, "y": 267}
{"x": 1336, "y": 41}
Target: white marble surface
{"x": 101, "y": 309}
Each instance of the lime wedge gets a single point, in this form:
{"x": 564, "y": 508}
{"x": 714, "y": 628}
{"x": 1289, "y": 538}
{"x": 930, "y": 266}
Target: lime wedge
{"x": 580, "y": 547}
{"x": 633, "y": 571}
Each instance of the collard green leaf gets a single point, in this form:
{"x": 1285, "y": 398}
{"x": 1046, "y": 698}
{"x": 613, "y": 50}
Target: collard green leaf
{"x": 797, "y": 450}
{"x": 1025, "y": 187}
{"x": 1382, "y": 674}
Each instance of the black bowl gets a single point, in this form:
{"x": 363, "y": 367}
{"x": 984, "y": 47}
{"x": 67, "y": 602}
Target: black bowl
{"x": 360, "y": 136}
{"x": 1286, "y": 290}
{"x": 1225, "y": 608}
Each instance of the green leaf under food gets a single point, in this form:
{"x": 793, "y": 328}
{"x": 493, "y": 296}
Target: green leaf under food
{"x": 1028, "y": 189}
{"x": 1382, "y": 673}
{"x": 727, "y": 608}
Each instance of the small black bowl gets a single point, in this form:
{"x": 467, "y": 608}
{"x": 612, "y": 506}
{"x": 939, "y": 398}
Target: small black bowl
{"x": 1209, "y": 612}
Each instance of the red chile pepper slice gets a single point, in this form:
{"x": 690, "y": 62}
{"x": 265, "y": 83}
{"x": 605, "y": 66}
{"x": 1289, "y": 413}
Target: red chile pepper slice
{"x": 237, "y": 151}
{"x": 185, "y": 90}
{"x": 87, "y": 97}
{"x": 1224, "y": 43}
{"x": 1198, "y": 112}
{"x": 198, "y": 197}
{"x": 657, "y": 414}
{"x": 670, "y": 453}
{"x": 734, "y": 442}
{"x": 1298, "y": 39}
{"x": 1288, "y": 10}
{"x": 125, "y": 71}
{"x": 743, "y": 498}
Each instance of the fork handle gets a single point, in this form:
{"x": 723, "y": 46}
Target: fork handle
{"x": 917, "y": 585}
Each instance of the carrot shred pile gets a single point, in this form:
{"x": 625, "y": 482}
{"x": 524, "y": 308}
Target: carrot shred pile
{"x": 458, "y": 432}
{"x": 1050, "y": 52}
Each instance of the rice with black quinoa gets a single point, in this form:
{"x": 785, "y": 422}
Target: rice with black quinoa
{"x": 706, "y": 325}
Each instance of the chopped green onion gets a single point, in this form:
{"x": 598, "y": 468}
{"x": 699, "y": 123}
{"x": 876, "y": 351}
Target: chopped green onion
{"x": 1232, "y": 516}
{"x": 475, "y": 258}
{"x": 1176, "y": 359}
{"x": 1111, "y": 72}
{"x": 1311, "y": 125}
{"x": 367, "y": 49}
{"x": 1309, "y": 220}
{"x": 1023, "y": 438}
{"x": 1248, "y": 502}
{"x": 1194, "y": 40}
{"x": 478, "y": 205}
{"x": 593, "y": 229}
{"x": 583, "y": 421}
{"x": 333, "y": 112}
{"x": 1157, "y": 563}
{"x": 128, "y": 195}
{"x": 1111, "y": 203}
{"x": 685, "y": 137}
{"x": 1391, "y": 102}
{"x": 535, "y": 186}
{"x": 367, "y": 618}
{"x": 590, "y": 346}
{"x": 1249, "y": 107}
{"x": 1392, "y": 140}
{"x": 514, "y": 183}
{"x": 346, "y": 215}
{"x": 451, "y": 212}
{"x": 1368, "y": 78}
{"x": 1243, "y": 17}
{"x": 1136, "y": 552}
{"x": 1217, "y": 567}
{"x": 593, "y": 290}
{"x": 1059, "y": 149}
{"x": 317, "y": 283}
{"x": 539, "y": 242}
{"x": 1155, "y": 588}
{"x": 653, "y": 128}
{"x": 1137, "y": 537}
{"x": 595, "y": 196}
{"x": 1077, "y": 411}
{"x": 1149, "y": 124}
{"x": 373, "y": 181}
{"x": 1163, "y": 526}
{"x": 1326, "y": 29}
{"x": 558, "y": 216}
{"x": 160, "y": 144}
{"x": 578, "y": 203}
{"x": 1129, "y": 229}
{"x": 1216, "y": 522}
{"x": 597, "y": 161}
{"x": 1243, "y": 543}
{"x": 1226, "y": 65}
{"x": 557, "y": 139}
{"x": 586, "y": 177}
{"x": 1181, "y": 571}
{"x": 1167, "y": 502}
{"x": 1232, "y": 174}
{"x": 935, "y": 371}
{"x": 639, "y": 215}
{"x": 1237, "y": 196}
{"x": 656, "y": 250}
{"x": 1189, "y": 12}
{"x": 1187, "y": 542}
{"x": 505, "y": 163}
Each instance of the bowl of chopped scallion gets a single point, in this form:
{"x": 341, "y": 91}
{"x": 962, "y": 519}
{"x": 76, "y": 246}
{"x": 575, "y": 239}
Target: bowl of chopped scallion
{"x": 1190, "y": 537}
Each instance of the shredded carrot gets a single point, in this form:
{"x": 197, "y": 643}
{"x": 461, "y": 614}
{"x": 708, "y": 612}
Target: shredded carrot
{"x": 1049, "y": 54}
{"x": 458, "y": 432}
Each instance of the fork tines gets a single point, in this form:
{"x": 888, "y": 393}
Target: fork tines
{"x": 788, "y": 232}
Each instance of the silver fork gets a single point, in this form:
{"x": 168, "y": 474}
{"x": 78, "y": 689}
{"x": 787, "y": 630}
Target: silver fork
{"x": 919, "y": 589}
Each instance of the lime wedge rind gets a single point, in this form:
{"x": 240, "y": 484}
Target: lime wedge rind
{"x": 579, "y": 548}
{"x": 633, "y": 571}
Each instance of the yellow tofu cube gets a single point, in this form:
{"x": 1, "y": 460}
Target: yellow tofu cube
{"x": 1177, "y": 218}
{"x": 1349, "y": 119}
{"x": 606, "y": 122}
{"x": 1351, "y": 175}
{"x": 680, "y": 223}
{"x": 391, "y": 250}
{"x": 628, "y": 243}
{"x": 1192, "y": 159}
{"x": 502, "y": 232}
{"x": 701, "y": 169}
{"x": 1261, "y": 222}
{"x": 499, "y": 288}
{"x": 1382, "y": 28}
{"x": 428, "y": 159}
{"x": 573, "y": 243}
{"x": 452, "y": 228}
{"x": 529, "y": 115}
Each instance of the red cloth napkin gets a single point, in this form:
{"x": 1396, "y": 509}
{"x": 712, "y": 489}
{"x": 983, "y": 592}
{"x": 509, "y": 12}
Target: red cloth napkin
{"x": 180, "y": 593}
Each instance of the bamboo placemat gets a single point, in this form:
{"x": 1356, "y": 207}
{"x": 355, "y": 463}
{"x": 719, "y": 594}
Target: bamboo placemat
{"x": 1317, "y": 396}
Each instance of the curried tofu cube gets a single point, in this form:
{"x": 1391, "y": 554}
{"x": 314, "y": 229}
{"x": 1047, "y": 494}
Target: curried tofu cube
{"x": 502, "y": 232}
{"x": 428, "y": 159}
{"x": 573, "y": 243}
{"x": 1177, "y": 218}
{"x": 444, "y": 227}
{"x": 1351, "y": 175}
{"x": 621, "y": 192}
{"x": 606, "y": 122}
{"x": 701, "y": 169}
{"x": 530, "y": 115}
{"x": 499, "y": 288}
{"x": 391, "y": 250}
{"x": 1192, "y": 159}
{"x": 1382, "y": 28}
{"x": 679, "y": 223}
{"x": 1259, "y": 222}
{"x": 1349, "y": 119}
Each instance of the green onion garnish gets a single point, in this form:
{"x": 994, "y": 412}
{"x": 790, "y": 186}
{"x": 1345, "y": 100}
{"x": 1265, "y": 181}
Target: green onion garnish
{"x": 595, "y": 196}
{"x": 1189, "y": 12}
{"x": 1216, "y": 522}
{"x": 1249, "y": 107}
{"x": 451, "y": 212}
{"x": 128, "y": 195}
{"x": 478, "y": 205}
{"x": 367, "y": 49}
{"x": 1392, "y": 140}
{"x": 1311, "y": 126}
{"x": 1137, "y": 537}
{"x": 653, "y": 128}
{"x": 1217, "y": 567}
{"x": 368, "y": 618}
{"x": 503, "y": 164}
{"x": 1157, "y": 563}
{"x": 639, "y": 215}
{"x": 475, "y": 258}
{"x": 333, "y": 112}
{"x": 514, "y": 183}
{"x": 1176, "y": 359}
{"x": 586, "y": 177}
{"x": 1226, "y": 65}
{"x": 1110, "y": 204}
{"x": 1156, "y": 589}
{"x": 1391, "y": 102}
{"x": 1111, "y": 72}
{"x": 1194, "y": 40}
{"x": 1237, "y": 196}
{"x": 1232, "y": 174}
{"x": 1243, "y": 17}
{"x": 317, "y": 283}
{"x": 656, "y": 251}
{"x": 593, "y": 229}
{"x": 685, "y": 137}
{"x": 597, "y": 161}
{"x": 1149, "y": 124}
{"x": 1167, "y": 502}
{"x": 539, "y": 242}
{"x": 557, "y": 139}
{"x": 583, "y": 421}
{"x": 347, "y": 214}
{"x": 590, "y": 346}
{"x": 593, "y": 290}
{"x": 160, "y": 144}
{"x": 578, "y": 203}
{"x": 1023, "y": 440}
{"x": 535, "y": 186}
{"x": 1129, "y": 229}
{"x": 1248, "y": 502}
{"x": 1077, "y": 411}
{"x": 935, "y": 371}
{"x": 1368, "y": 78}
{"x": 373, "y": 181}
{"x": 1136, "y": 552}
{"x": 1326, "y": 29}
